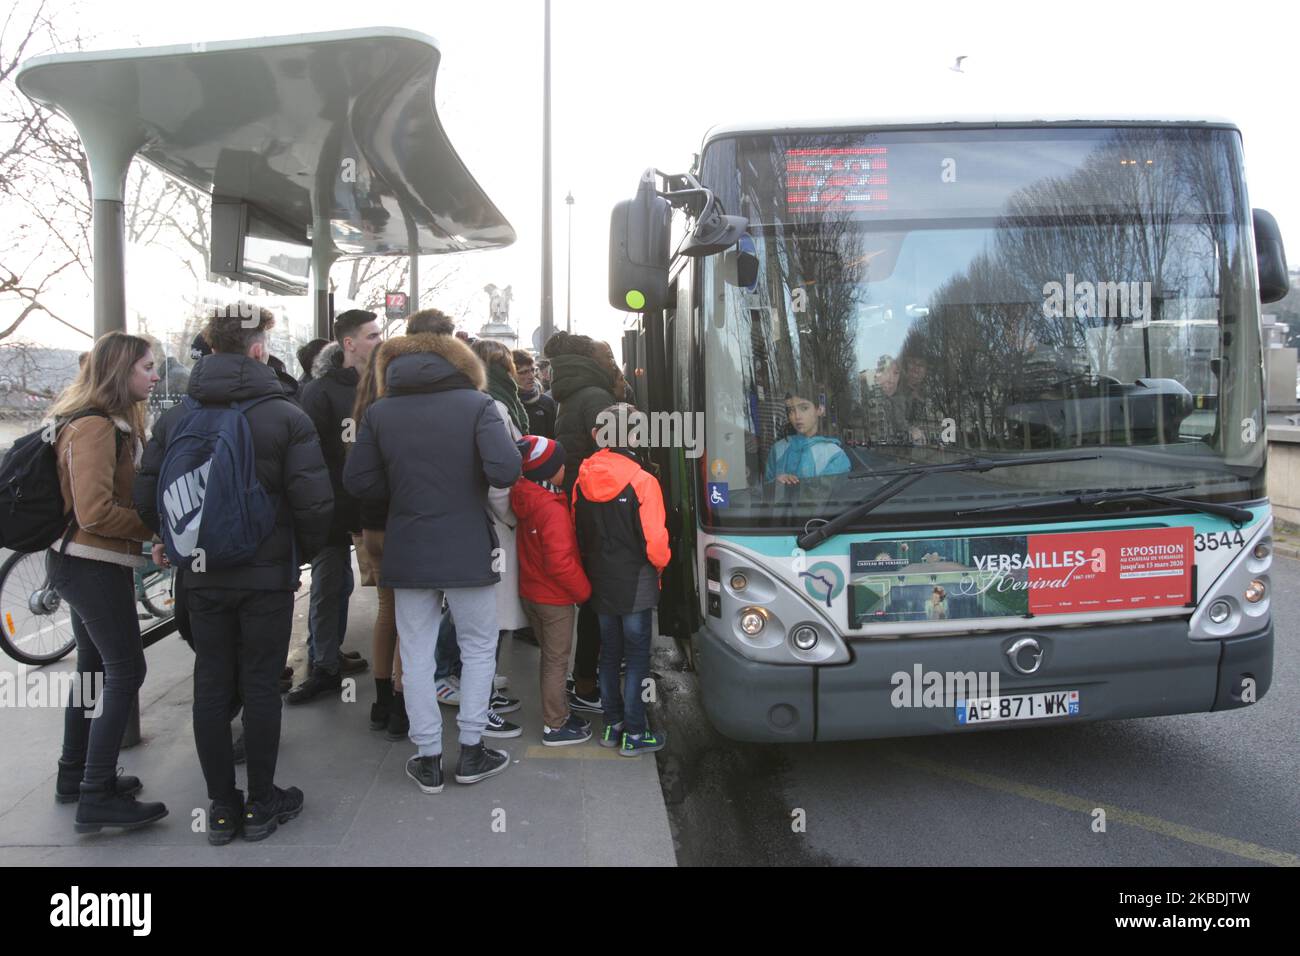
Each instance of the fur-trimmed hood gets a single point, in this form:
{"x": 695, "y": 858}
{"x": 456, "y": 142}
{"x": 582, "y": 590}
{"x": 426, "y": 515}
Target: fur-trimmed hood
{"x": 416, "y": 362}
{"x": 330, "y": 356}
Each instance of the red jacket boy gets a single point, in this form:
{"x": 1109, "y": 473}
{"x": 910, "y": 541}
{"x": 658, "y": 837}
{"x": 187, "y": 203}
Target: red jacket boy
{"x": 551, "y": 578}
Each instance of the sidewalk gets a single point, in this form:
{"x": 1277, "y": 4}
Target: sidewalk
{"x": 561, "y": 806}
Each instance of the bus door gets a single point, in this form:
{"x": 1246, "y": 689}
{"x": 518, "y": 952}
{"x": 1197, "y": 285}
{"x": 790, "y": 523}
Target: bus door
{"x": 656, "y": 387}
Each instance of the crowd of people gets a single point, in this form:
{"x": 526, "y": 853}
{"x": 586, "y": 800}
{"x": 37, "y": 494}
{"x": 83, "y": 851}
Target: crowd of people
{"x": 468, "y": 477}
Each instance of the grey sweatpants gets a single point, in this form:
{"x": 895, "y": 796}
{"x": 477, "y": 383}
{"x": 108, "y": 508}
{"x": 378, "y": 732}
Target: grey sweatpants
{"x": 419, "y": 614}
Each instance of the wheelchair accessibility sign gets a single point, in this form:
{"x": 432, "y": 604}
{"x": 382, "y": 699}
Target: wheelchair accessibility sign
{"x": 718, "y": 494}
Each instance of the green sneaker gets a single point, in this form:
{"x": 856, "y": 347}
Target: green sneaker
{"x": 612, "y": 735}
{"x": 634, "y": 745}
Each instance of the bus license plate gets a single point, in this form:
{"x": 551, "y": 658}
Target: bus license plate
{"x": 986, "y": 710}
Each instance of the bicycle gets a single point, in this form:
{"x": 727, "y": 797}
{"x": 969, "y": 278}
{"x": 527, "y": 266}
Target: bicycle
{"x": 36, "y": 627}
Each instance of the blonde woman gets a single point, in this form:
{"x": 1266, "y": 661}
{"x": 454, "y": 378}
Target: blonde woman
{"x": 100, "y": 423}
{"x": 388, "y": 712}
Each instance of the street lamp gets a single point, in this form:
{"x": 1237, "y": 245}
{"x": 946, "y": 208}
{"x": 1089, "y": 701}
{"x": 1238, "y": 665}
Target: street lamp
{"x": 568, "y": 282}
{"x": 547, "y": 322}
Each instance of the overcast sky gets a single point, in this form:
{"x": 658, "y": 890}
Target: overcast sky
{"x": 637, "y": 85}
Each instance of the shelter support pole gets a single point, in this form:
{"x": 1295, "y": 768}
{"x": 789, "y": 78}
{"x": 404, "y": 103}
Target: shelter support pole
{"x": 109, "y": 151}
{"x": 414, "y": 301}
{"x": 323, "y": 255}
{"x": 413, "y": 245}
{"x": 110, "y": 266}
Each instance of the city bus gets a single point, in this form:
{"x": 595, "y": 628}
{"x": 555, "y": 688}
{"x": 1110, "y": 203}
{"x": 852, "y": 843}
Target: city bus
{"x": 983, "y": 416}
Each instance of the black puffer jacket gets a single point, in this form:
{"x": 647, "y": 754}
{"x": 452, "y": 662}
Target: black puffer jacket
{"x": 432, "y": 444}
{"x": 583, "y": 388}
{"x": 289, "y": 466}
{"x": 541, "y": 409}
{"x": 328, "y": 399}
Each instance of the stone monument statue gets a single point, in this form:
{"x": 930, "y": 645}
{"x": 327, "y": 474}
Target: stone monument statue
{"x": 498, "y": 324}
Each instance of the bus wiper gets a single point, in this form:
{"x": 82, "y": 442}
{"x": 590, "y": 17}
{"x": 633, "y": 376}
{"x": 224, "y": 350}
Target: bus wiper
{"x": 902, "y": 478}
{"x": 1158, "y": 495}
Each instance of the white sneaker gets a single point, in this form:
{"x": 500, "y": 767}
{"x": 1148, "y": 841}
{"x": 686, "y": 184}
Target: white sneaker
{"x": 447, "y": 690}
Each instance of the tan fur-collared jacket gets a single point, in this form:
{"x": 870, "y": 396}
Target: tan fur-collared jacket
{"x": 95, "y": 479}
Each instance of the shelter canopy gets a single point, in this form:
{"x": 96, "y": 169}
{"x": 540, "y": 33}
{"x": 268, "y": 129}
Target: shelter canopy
{"x": 335, "y": 127}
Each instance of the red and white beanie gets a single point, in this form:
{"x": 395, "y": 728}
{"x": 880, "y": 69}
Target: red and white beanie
{"x": 543, "y": 457}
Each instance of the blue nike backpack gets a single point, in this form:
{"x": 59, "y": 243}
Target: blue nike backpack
{"x": 213, "y": 511}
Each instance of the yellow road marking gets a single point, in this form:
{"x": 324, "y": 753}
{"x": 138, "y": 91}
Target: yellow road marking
{"x": 1213, "y": 841}
{"x": 578, "y": 752}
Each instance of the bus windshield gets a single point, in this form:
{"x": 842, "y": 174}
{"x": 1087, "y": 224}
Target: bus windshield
{"x": 924, "y": 296}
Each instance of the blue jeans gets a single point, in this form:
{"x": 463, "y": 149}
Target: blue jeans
{"x": 327, "y": 621}
{"x": 446, "y": 653}
{"x": 624, "y": 636}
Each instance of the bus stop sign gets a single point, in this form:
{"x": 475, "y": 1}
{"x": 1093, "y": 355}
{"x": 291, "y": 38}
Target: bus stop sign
{"x": 395, "y": 305}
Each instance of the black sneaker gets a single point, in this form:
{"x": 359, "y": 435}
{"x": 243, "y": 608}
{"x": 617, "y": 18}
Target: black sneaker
{"x": 426, "y": 772}
{"x": 477, "y": 762}
{"x": 498, "y": 726}
{"x": 379, "y": 714}
{"x": 319, "y": 682}
{"x": 503, "y": 704}
{"x": 584, "y": 705}
{"x": 262, "y": 819}
{"x": 225, "y": 820}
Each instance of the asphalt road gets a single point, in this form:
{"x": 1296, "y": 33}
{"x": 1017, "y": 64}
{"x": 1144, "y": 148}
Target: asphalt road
{"x": 1194, "y": 790}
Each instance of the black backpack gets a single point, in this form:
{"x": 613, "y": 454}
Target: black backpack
{"x": 33, "y": 514}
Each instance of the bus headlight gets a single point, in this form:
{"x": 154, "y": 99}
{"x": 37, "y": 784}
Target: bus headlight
{"x": 1219, "y": 611}
{"x": 1262, "y": 550}
{"x": 752, "y": 621}
{"x": 1255, "y": 591}
{"x": 804, "y": 637}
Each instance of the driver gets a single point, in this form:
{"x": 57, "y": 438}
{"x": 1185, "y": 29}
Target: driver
{"x": 805, "y": 454}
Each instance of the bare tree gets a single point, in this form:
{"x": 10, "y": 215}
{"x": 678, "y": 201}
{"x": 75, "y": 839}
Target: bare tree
{"x": 44, "y": 178}
{"x": 369, "y": 277}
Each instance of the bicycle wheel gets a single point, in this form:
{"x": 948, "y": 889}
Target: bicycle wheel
{"x": 155, "y": 592}
{"x": 35, "y": 624}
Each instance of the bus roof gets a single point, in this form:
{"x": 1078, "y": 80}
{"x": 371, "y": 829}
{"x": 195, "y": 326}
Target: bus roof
{"x": 957, "y": 122}
{"x": 337, "y": 126}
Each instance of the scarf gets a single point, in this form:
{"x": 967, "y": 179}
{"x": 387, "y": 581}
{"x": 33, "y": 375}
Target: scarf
{"x": 502, "y": 387}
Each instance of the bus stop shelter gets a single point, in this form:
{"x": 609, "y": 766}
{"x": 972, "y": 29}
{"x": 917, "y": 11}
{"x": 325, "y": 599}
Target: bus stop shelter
{"x": 327, "y": 143}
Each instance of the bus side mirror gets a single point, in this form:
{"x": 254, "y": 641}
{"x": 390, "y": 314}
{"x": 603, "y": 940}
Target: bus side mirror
{"x": 639, "y": 235}
{"x": 714, "y": 232}
{"x": 740, "y": 265}
{"x": 1273, "y": 281}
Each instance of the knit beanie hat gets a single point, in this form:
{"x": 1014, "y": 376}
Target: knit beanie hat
{"x": 543, "y": 457}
